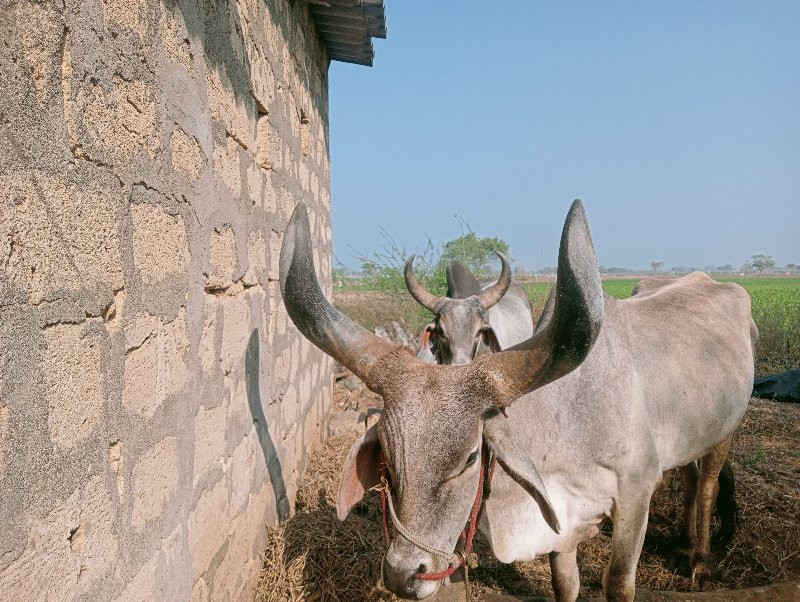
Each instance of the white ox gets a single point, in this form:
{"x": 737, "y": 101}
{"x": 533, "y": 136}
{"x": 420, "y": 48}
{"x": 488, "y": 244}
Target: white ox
{"x": 472, "y": 318}
{"x": 597, "y": 416}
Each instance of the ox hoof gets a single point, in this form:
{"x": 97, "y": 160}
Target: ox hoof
{"x": 681, "y": 559}
{"x": 701, "y": 574}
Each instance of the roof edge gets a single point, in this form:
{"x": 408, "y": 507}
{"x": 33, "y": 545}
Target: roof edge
{"x": 346, "y": 28}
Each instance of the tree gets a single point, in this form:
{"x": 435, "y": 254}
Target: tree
{"x": 792, "y": 267}
{"x": 477, "y": 253}
{"x": 384, "y": 269}
{"x": 758, "y": 263}
{"x": 656, "y": 266}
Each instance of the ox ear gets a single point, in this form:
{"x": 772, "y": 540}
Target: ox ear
{"x": 425, "y": 336}
{"x": 501, "y": 440}
{"x": 490, "y": 338}
{"x": 361, "y": 472}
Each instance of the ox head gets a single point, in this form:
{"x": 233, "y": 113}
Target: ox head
{"x": 436, "y": 417}
{"x": 460, "y": 331}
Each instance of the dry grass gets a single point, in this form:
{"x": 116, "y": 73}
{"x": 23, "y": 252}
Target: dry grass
{"x": 375, "y": 308}
{"x": 315, "y": 557}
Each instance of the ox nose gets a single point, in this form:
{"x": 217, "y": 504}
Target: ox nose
{"x": 399, "y": 579}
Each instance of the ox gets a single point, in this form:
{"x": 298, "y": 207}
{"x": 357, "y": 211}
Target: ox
{"x": 466, "y": 321}
{"x": 594, "y": 416}
{"x": 471, "y": 319}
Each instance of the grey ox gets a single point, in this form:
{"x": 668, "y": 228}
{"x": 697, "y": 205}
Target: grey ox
{"x": 594, "y": 417}
{"x": 472, "y": 318}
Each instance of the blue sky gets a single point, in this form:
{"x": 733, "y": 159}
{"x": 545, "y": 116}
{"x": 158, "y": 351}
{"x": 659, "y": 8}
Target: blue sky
{"x": 677, "y": 124}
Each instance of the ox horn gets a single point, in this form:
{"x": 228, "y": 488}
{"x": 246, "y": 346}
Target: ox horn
{"x": 423, "y": 297}
{"x": 334, "y": 333}
{"x": 488, "y": 298}
{"x": 560, "y": 345}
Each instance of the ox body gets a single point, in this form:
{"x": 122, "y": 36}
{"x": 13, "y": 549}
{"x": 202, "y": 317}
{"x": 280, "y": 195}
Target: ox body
{"x": 666, "y": 382}
{"x": 594, "y": 416}
{"x": 511, "y": 319}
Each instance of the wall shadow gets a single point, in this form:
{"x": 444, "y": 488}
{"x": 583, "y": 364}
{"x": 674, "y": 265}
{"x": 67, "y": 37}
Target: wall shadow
{"x": 274, "y": 469}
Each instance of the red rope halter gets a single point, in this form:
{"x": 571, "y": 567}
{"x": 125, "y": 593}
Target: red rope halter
{"x": 466, "y": 536}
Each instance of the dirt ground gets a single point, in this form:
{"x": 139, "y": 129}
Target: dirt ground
{"x": 315, "y": 557}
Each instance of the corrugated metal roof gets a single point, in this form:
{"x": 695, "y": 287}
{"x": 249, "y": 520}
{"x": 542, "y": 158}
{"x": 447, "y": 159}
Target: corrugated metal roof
{"x": 348, "y": 26}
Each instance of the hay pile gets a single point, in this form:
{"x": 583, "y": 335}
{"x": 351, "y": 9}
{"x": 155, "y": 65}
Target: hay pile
{"x": 315, "y": 557}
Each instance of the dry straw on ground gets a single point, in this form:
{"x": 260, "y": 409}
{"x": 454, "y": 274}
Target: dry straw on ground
{"x": 315, "y": 557}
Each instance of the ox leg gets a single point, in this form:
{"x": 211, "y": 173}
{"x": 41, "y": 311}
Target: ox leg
{"x": 688, "y": 538}
{"x": 564, "y": 575}
{"x": 707, "y": 489}
{"x": 629, "y": 516}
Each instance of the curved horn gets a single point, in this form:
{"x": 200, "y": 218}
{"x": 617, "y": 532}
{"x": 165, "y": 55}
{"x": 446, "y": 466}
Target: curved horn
{"x": 334, "y": 333}
{"x": 560, "y": 345}
{"x": 494, "y": 294}
{"x": 423, "y": 297}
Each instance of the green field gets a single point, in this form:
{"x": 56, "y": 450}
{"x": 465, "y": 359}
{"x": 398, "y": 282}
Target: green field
{"x": 776, "y": 311}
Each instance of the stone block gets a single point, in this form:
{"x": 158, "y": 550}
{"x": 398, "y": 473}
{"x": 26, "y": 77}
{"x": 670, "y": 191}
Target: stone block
{"x": 176, "y": 40}
{"x": 59, "y": 235}
{"x": 227, "y": 165}
{"x": 68, "y": 550}
{"x": 208, "y": 351}
{"x": 112, "y": 123}
{"x": 257, "y": 259}
{"x": 160, "y": 243}
{"x": 187, "y": 156}
{"x": 210, "y": 431}
{"x": 155, "y": 362}
{"x": 75, "y": 382}
{"x": 241, "y": 466}
{"x": 124, "y": 15}
{"x": 4, "y": 420}
{"x": 208, "y": 527}
{"x": 222, "y": 270}
{"x": 235, "y": 333}
{"x": 144, "y": 586}
{"x": 155, "y": 478}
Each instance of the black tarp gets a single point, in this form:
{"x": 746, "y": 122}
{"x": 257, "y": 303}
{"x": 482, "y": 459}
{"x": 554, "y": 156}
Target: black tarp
{"x": 779, "y": 387}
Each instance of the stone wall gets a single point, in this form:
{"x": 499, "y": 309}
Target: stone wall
{"x": 156, "y": 405}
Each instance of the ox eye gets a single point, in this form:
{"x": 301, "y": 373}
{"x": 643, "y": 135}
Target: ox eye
{"x": 471, "y": 459}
